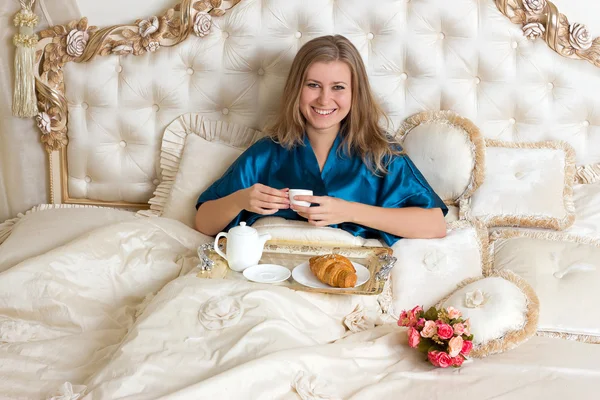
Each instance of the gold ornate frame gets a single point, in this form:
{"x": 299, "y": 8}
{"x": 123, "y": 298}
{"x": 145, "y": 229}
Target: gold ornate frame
{"x": 79, "y": 42}
{"x": 541, "y": 18}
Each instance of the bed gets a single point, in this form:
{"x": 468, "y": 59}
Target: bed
{"x": 100, "y": 291}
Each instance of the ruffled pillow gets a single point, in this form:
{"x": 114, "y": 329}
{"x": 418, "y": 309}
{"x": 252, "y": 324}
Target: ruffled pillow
{"x": 449, "y": 151}
{"x": 526, "y": 185}
{"x": 428, "y": 269}
{"x": 195, "y": 152}
{"x": 502, "y": 310}
{"x": 564, "y": 270}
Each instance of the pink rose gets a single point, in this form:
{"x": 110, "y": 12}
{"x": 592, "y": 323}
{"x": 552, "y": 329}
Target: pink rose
{"x": 432, "y": 356}
{"x": 455, "y": 346}
{"x": 420, "y": 323}
{"x": 445, "y": 331}
{"x": 457, "y": 361}
{"x": 453, "y": 313}
{"x": 459, "y": 328}
{"x": 403, "y": 320}
{"x": 466, "y": 347}
{"x": 412, "y": 315}
{"x": 413, "y": 337}
{"x": 467, "y": 327}
{"x": 439, "y": 359}
{"x": 429, "y": 329}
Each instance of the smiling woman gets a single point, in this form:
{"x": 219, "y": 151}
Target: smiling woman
{"x": 327, "y": 138}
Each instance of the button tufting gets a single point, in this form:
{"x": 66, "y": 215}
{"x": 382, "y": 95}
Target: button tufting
{"x": 512, "y": 121}
{"x": 477, "y": 80}
{"x": 190, "y": 71}
{"x": 225, "y": 35}
{"x": 441, "y": 36}
{"x": 370, "y": 36}
{"x": 514, "y": 45}
{"x": 225, "y": 111}
{"x": 119, "y": 68}
{"x": 122, "y": 143}
{"x": 261, "y": 72}
{"x": 156, "y": 182}
{"x": 586, "y": 123}
{"x": 550, "y": 85}
{"x": 298, "y": 35}
{"x": 84, "y": 106}
{"x": 404, "y": 76}
{"x": 88, "y": 179}
{"x": 155, "y": 107}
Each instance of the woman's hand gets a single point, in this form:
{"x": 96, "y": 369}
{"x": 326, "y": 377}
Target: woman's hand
{"x": 330, "y": 210}
{"x": 262, "y": 199}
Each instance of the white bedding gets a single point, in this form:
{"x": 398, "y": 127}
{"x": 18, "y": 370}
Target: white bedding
{"x": 69, "y": 315}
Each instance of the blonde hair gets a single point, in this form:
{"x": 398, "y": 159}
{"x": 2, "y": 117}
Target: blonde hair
{"x": 360, "y": 129}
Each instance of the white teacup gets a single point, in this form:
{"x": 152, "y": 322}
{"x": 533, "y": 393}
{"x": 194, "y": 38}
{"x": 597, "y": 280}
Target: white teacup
{"x": 300, "y": 192}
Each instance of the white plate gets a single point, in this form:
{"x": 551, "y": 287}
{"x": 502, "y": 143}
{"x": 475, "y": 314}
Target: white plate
{"x": 303, "y": 275}
{"x": 267, "y": 273}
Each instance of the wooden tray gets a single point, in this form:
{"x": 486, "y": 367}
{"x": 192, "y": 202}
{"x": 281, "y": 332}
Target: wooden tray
{"x": 378, "y": 260}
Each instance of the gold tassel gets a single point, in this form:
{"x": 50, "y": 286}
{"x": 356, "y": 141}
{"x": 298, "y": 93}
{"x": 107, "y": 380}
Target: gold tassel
{"x": 24, "y": 99}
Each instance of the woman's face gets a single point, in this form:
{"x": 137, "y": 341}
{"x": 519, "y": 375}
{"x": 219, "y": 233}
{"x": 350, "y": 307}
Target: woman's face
{"x": 326, "y": 96}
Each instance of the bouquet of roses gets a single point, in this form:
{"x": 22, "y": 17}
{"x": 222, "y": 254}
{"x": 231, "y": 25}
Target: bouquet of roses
{"x": 442, "y": 334}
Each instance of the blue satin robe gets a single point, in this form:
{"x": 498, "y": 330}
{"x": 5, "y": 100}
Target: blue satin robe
{"x": 345, "y": 177}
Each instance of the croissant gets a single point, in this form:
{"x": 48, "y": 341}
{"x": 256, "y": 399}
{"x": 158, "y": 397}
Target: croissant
{"x": 333, "y": 270}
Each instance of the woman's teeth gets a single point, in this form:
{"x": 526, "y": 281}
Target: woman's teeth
{"x": 323, "y": 112}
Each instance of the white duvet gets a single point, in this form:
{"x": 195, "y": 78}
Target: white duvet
{"x": 119, "y": 313}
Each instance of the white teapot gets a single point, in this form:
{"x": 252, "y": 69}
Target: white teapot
{"x": 244, "y": 246}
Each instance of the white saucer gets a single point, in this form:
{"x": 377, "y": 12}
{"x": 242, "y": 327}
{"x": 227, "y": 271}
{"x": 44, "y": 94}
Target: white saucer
{"x": 303, "y": 275}
{"x": 267, "y": 273}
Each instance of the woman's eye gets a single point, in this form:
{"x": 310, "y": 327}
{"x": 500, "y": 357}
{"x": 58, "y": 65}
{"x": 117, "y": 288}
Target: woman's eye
{"x": 313, "y": 85}
{"x": 338, "y": 87}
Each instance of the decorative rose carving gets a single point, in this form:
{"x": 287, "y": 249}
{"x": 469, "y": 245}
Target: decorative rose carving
{"x": 533, "y": 30}
{"x": 152, "y": 46}
{"x": 220, "y": 312}
{"x": 76, "y": 42}
{"x": 202, "y": 24}
{"x": 122, "y": 50}
{"x": 43, "y": 122}
{"x": 148, "y": 27}
{"x": 534, "y": 6}
{"x": 474, "y": 299}
{"x": 69, "y": 392}
{"x": 579, "y": 36}
{"x": 358, "y": 320}
{"x": 311, "y": 387}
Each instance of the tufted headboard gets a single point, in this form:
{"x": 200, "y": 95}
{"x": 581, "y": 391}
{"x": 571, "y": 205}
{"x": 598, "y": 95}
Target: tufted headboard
{"x": 106, "y": 95}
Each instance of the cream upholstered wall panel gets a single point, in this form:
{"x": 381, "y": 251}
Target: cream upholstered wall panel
{"x": 461, "y": 55}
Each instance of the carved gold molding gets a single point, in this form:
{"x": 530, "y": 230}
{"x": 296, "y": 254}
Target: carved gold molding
{"x": 541, "y": 18}
{"x": 79, "y": 42}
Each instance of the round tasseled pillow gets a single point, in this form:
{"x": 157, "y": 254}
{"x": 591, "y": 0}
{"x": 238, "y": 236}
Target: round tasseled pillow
{"x": 502, "y": 309}
{"x": 448, "y": 150}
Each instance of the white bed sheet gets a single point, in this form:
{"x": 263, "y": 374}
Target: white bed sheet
{"x": 120, "y": 312}
{"x": 41, "y": 231}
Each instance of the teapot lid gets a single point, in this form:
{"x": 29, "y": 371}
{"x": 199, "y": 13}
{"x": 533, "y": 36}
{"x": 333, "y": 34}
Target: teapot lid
{"x": 243, "y": 230}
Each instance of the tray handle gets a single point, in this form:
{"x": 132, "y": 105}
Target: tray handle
{"x": 386, "y": 268}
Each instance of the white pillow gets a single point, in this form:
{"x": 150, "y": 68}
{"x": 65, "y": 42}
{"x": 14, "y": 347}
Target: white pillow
{"x": 564, "y": 270}
{"x": 502, "y": 310}
{"x": 449, "y": 151}
{"x": 48, "y": 226}
{"x": 194, "y": 153}
{"x": 526, "y": 185}
{"x": 428, "y": 269}
{"x": 284, "y": 230}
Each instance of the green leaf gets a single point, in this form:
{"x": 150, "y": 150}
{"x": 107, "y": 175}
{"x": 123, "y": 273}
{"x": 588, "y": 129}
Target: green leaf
{"x": 431, "y": 314}
{"x": 424, "y": 345}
